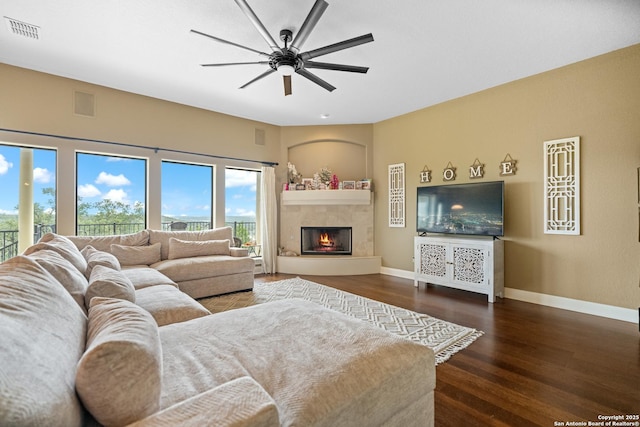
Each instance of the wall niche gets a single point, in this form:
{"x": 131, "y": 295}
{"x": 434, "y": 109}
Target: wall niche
{"x": 348, "y": 160}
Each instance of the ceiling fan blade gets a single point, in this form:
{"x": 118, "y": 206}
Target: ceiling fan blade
{"x": 265, "y": 74}
{"x": 308, "y": 25}
{"x": 256, "y": 23}
{"x": 346, "y": 44}
{"x": 287, "y": 85}
{"x": 234, "y": 63}
{"x": 336, "y": 67}
{"x": 218, "y": 39}
{"x": 317, "y": 80}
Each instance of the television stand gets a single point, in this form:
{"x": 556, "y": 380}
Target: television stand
{"x": 469, "y": 263}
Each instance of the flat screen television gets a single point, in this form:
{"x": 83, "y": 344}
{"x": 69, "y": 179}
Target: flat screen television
{"x": 476, "y": 209}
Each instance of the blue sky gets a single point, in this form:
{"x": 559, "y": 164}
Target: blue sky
{"x": 186, "y": 189}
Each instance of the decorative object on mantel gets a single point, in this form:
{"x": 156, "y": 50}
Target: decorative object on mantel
{"x": 364, "y": 184}
{"x": 396, "y": 195}
{"x": 334, "y": 184}
{"x": 292, "y": 174}
{"x": 508, "y": 166}
{"x": 425, "y": 175}
{"x": 476, "y": 170}
{"x": 562, "y": 186}
{"x": 348, "y": 185}
{"x": 325, "y": 175}
{"x": 449, "y": 173}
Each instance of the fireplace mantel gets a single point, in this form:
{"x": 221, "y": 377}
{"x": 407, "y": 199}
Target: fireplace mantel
{"x": 326, "y": 197}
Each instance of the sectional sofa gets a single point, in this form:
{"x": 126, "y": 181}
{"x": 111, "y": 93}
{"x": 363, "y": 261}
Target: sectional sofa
{"x": 87, "y": 343}
{"x": 202, "y": 263}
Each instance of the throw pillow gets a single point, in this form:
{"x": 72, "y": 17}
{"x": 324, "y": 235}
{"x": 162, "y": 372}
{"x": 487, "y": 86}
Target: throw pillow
{"x": 119, "y": 376}
{"x": 73, "y": 281}
{"x": 95, "y": 257}
{"x": 63, "y": 246}
{"x": 186, "y": 249}
{"x": 106, "y": 282}
{"x": 102, "y": 243}
{"x": 136, "y": 255}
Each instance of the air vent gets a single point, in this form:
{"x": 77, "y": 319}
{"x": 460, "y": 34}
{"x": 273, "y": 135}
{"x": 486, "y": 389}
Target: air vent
{"x": 23, "y": 29}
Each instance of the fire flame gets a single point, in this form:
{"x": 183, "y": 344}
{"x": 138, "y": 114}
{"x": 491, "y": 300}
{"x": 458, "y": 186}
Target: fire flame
{"x": 324, "y": 240}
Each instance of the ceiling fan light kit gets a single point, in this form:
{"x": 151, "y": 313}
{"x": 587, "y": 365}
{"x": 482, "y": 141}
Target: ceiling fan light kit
{"x": 288, "y": 59}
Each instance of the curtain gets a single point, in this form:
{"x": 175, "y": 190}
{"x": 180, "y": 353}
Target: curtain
{"x": 268, "y": 219}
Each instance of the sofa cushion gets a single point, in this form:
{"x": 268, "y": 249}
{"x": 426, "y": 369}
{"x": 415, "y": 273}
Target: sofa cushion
{"x": 161, "y": 236}
{"x": 180, "y": 270}
{"x": 103, "y": 243}
{"x": 63, "y": 246}
{"x": 136, "y": 255}
{"x": 119, "y": 375}
{"x": 73, "y": 281}
{"x": 238, "y": 403}
{"x": 143, "y": 276}
{"x": 106, "y": 282}
{"x": 167, "y": 304}
{"x": 42, "y": 334}
{"x": 96, "y": 257}
{"x": 179, "y": 248}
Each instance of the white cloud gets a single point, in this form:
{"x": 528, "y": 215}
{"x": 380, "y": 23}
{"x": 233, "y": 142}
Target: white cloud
{"x": 112, "y": 180}
{"x": 88, "y": 190}
{"x": 116, "y": 195}
{"x": 239, "y": 178}
{"x": 244, "y": 212}
{"x": 4, "y": 165}
{"x": 118, "y": 159}
{"x": 6, "y": 212}
{"x": 42, "y": 176}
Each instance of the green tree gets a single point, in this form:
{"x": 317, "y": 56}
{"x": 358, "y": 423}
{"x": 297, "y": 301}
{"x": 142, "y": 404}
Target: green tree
{"x": 242, "y": 233}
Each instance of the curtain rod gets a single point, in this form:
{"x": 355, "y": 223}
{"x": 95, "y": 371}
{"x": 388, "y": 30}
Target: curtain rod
{"x": 123, "y": 144}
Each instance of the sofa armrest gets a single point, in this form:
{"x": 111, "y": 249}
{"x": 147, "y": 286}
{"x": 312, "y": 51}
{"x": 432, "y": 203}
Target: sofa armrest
{"x": 238, "y": 252}
{"x": 239, "y": 403}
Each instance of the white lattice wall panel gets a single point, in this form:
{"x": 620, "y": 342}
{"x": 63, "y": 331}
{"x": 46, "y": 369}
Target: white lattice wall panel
{"x": 433, "y": 260}
{"x": 396, "y": 195}
{"x": 468, "y": 265}
{"x": 562, "y": 186}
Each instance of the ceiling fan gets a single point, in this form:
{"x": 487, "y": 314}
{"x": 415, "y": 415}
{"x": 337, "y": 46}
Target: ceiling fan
{"x": 289, "y": 59}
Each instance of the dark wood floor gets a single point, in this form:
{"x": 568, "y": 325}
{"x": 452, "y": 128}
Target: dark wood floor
{"x": 534, "y": 365}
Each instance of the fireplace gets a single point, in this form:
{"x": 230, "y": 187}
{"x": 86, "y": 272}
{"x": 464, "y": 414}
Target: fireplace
{"x": 325, "y": 240}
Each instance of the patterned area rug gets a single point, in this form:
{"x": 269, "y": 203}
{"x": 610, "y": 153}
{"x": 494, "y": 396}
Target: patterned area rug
{"x": 444, "y": 338}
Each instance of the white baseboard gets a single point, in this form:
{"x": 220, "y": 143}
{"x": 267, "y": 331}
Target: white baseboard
{"x": 586, "y": 307}
{"x": 396, "y": 272}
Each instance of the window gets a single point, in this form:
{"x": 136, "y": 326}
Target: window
{"x": 111, "y": 194}
{"x": 242, "y": 206}
{"x": 36, "y": 195}
{"x": 186, "y": 196}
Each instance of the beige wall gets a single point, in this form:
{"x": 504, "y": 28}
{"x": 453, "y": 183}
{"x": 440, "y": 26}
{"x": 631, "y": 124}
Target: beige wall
{"x": 598, "y": 100}
{"x": 43, "y": 103}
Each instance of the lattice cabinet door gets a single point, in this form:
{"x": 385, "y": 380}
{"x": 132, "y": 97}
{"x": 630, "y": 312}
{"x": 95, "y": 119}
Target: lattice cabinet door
{"x": 469, "y": 264}
{"x": 432, "y": 259}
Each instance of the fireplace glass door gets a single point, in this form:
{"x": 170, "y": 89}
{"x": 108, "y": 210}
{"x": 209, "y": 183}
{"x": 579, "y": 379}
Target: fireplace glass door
{"x": 325, "y": 241}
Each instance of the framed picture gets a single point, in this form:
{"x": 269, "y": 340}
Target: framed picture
{"x": 366, "y": 184}
{"x": 348, "y": 185}
{"x": 299, "y": 186}
{"x": 308, "y": 183}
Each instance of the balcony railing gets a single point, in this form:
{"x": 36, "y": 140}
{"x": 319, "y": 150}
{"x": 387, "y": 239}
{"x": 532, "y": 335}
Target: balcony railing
{"x": 246, "y": 231}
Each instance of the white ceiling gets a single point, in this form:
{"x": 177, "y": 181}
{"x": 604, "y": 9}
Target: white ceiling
{"x": 425, "y": 51}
